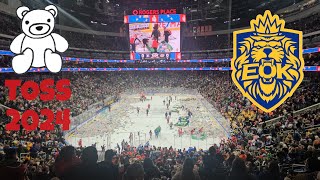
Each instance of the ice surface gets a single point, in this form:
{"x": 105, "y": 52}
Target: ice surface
{"x": 112, "y": 127}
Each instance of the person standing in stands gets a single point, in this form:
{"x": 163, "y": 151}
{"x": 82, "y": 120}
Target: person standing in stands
{"x": 187, "y": 172}
{"x": 150, "y": 170}
{"x": 134, "y": 172}
{"x": 272, "y": 172}
{"x": 210, "y": 163}
{"x": 109, "y": 170}
{"x": 239, "y": 171}
{"x": 87, "y": 169}
{"x": 66, "y": 160}
{"x": 10, "y": 168}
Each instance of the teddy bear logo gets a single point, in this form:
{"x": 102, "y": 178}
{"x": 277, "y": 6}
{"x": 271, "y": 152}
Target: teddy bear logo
{"x": 37, "y": 46}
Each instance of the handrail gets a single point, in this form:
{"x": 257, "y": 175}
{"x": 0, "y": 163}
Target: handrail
{"x": 309, "y": 108}
{"x": 313, "y": 127}
{"x": 5, "y": 106}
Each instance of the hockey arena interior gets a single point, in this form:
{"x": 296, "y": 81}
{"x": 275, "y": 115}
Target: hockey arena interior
{"x": 152, "y": 95}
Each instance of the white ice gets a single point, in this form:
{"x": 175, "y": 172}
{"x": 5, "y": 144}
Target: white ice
{"x": 110, "y": 128}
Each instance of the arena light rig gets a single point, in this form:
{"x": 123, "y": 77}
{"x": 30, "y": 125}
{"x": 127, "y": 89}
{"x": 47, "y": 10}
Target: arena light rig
{"x": 9, "y": 53}
{"x": 35, "y": 70}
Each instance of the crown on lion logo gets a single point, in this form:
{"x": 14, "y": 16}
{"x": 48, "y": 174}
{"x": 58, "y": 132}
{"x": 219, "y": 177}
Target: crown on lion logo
{"x": 268, "y": 24}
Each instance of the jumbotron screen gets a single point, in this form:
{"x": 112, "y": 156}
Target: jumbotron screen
{"x": 155, "y": 37}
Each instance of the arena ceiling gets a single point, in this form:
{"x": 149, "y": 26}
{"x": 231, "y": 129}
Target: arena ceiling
{"x": 199, "y": 12}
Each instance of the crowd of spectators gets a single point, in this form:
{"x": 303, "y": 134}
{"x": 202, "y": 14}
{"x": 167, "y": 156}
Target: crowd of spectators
{"x": 254, "y": 150}
{"x": 221, "y": 60}
{"x": 199, "y": 43}
{"x": 9, "y": 25}
{"x": 307, "y": 25}
{"x": 312, "y": 59}
{"x": 297, "y": 7}
{"x": 90, "y": 88}
{"x": 90, "y": 41}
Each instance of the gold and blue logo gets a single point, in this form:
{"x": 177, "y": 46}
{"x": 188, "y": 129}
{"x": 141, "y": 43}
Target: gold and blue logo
{"x": 267, "y": 64}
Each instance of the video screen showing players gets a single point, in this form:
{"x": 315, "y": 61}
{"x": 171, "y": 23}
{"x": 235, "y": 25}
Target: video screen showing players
{"x": 155, "y": 37}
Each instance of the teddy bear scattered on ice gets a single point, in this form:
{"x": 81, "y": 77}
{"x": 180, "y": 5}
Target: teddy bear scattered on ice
{"x": 37, "y": 45}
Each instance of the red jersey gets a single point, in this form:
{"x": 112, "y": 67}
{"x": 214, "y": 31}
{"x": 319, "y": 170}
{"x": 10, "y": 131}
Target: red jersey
{"x": 132, "y": 40}
{"x": 154, "y": 43}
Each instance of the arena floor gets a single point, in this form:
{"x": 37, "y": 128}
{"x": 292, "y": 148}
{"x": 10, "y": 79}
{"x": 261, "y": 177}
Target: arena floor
{"x": 111, "y": 127}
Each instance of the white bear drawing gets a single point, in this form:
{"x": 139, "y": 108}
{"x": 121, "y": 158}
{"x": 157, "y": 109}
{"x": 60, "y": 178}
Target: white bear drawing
{"x": 37, "y": 45}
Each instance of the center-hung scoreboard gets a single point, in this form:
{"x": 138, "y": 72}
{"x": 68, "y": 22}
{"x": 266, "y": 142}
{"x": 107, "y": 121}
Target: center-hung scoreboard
{"x": 155, "y": 34}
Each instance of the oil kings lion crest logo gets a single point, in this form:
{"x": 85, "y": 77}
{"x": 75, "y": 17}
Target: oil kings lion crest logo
{"x": 267, "y": 64}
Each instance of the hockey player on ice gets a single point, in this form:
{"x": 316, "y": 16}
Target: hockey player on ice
{"x": 150, "y": 133}
{"x": 200, "y": 130}
{"x": 180, "y": 132}
{"x": 147, "y": 112}
{"x": 131, "y": 138}
{"x": 171, "y": 124}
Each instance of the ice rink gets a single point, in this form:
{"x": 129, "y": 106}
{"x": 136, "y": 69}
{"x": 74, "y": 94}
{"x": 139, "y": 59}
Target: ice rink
{"x": 111, "y": 127}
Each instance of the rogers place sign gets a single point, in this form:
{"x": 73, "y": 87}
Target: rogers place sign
{"x": 153, "y": 11}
